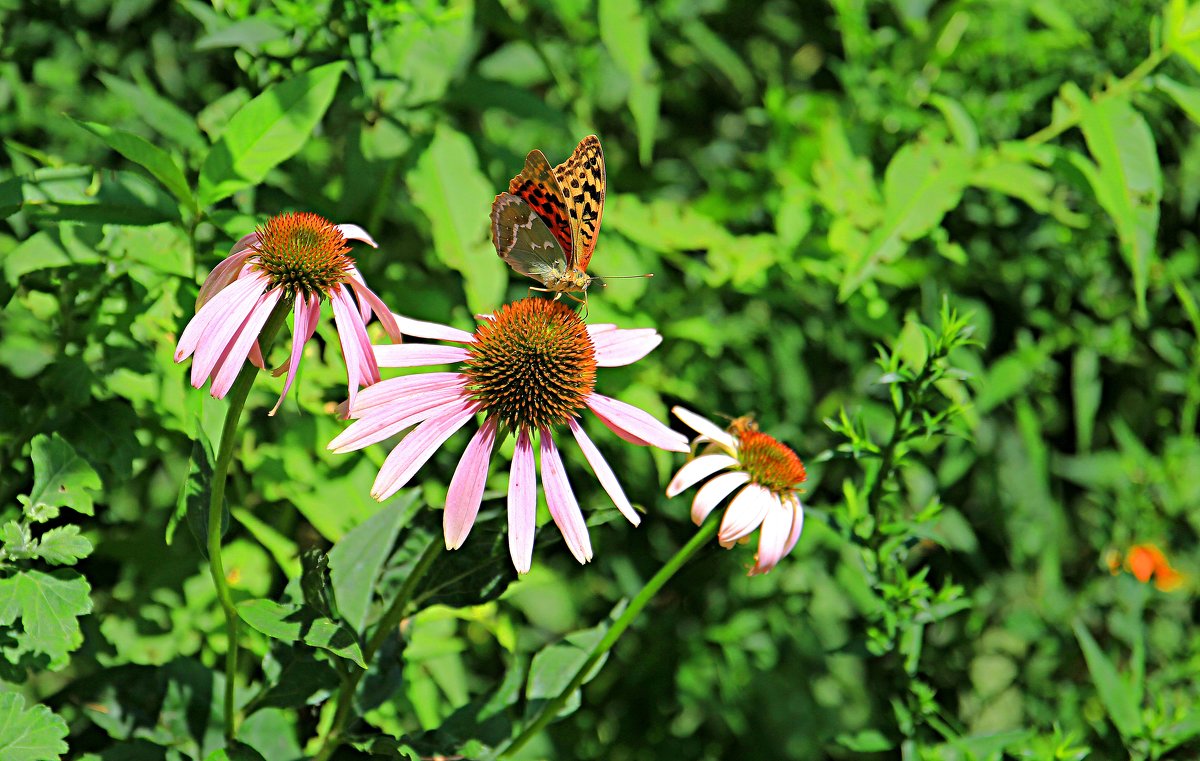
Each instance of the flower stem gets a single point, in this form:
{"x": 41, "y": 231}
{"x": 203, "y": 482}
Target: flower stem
{"x": 216, "y": 507}
{"x": 551, "y": 708}
{"x": 387, "y": 624}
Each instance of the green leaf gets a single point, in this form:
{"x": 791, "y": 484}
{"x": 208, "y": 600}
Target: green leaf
{"x": 448, "y": 187}
{"x": 46, "y": 250}
{"x": 195, "y": 492}
{"x": 315, "y": 586}
{"x": 1086, "y": 387}
{"x": 357, "y": 559}
{"x": 1181, "y": 30}
{"x": 84, "y": 194}
{"x": 61, "y": 478}
{"x": 1187, "y": 98}
{"x": 922, "y": 183}
{"x": 63, "y": 546}
{"x": 282, "y": 548}
{"x": 293, "y": 622}
{"x": 625, "y": 32}
{"x": 166, "y": 118}
{"x": 1128, "y": 183}
{"x": 555, "y": 666}
{"x": 48, "y": 605}
{"x": 30, "y": 734}
{"x": 476, "y": 573}
{"x": 268, "y": 130}
{"x": 1114, "y": 692}
{"x": 235, "y": 751}
{"x": 155, "y": 160}
{"x": 249, "y": 33}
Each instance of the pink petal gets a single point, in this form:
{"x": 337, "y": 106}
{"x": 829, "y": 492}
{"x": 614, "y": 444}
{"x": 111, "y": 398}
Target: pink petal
{"x": 416, "y": 449}
{"x": 712, "y": 493}
{"x": 522, "y": 504}
{"x": 395, "y": 389}
{"x": 240, "y": 299}
{"x": 256, "y": 357}
{"x": 466, "y": 487}
{"x": 240, "y": 348}
{"x": 697, "y": 470}
{"x": 299, "y": 322}
{"x": 561, "y": 500}
{"x": 744, "y": 514}
{"x": 600, "y": 327}
{"x": 432, "y": 330}
{"x": 776, "y": 526}
{"x": 361, "y": 369}
{"x": 418, "y": 355}
{"x": 708, "y": 430}
{"x": 369, "y": 301}
{"x": 616, "y": 348}
{"x": 227, "y": 271}
{"x": 603, "y": 472}
{"x": 354, "y": 232}
{"x": 634, "y": 425}
{"x": 797, "y": 522}
{"x": 389, "y": 421}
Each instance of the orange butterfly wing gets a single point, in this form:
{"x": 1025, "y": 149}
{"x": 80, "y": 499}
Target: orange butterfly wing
{"x": 537, "y": 186}
{"x": 581, "y": 179}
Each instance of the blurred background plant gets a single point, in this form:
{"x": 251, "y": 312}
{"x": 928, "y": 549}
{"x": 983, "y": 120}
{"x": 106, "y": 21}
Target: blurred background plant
{"x": 812, "y": 184}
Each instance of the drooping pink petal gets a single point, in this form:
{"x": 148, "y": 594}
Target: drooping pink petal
{"x": 256, "y": 357}
{"x": 361, "y": 369}
{"x": 354, "y": 232}
{"x": 232, "y": 307}
{"x": 596, "y": 329}
{"x": 299, "y": 322}
{"x": 417, "y": 447}
{"x": 707, "y": 429}
{"x": 797, "y": 509}
{"x": 388, "y": 421}
{"x": 243, "y": 297}
{"x": 712, "y": 493}
{"x": 561, "y": 500}
{"x": 369, "y": 301}
{"x": 773, "y": 536}
{"x": 522, "y": 503}
{"x": 240, "y": 348}
{"x": 228, "y": 270}
{"x": 697, "y": 470}
{"x": 418, "y": 355}
{"x": 616, "y": 348}
{"x": 466, "y": 487}
{"x": 744, "y": 514}
{"x": 604, "y": 473}
{"x": 634, "y": 425}
{"x": 396, "y": 389}
{"x": 432, "y": 330}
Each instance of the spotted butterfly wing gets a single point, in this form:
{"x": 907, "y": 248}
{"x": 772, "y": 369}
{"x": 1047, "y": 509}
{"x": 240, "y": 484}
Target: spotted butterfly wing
{"x": 537, "y": 186}
{"x": 523, "y": 240}
{"x": 581, "y": 180}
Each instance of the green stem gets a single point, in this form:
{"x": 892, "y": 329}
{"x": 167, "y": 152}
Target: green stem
{"x": 387, "y": 624}
{"x": 551, "y": 708}
{"x": 1123, "y": 86}
{"x": 216, "y": 506}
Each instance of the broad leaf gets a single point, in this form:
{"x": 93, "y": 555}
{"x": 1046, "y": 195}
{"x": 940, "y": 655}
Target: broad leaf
{"x": 556, "y": 666}
{"x": 195, "y": 492}
{"x": 235, "y": 751}
{"x": 476, "y": 573}
{"x": 268, "y": 130}
{"x": 29, "y": 734}
{"x": 84, "y": 194}
{"x": 625, "y": 32}
{"x": 166, "y": 118}
{"x": 63, "y": 546}
{"x": 153, "y": 159}
{"x": 294, "y": 622}
{"x": 48, "y": 606}
{"x": 61, "y": 478}
{"x": 1114, "y": 692}
{"x": 356, "y": 561}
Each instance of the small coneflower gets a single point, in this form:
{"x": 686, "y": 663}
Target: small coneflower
{"x": 530, "y": 368}
{"x": 768, "y": 475}
{"x": 296, "y": 257}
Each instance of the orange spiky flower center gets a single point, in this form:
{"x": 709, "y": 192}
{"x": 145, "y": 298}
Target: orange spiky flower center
{"x": 769, "y": 463}
{"x": 532, "y": 364}
{"x": 303, "y": 253}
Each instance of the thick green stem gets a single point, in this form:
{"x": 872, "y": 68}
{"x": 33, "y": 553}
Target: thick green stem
{"x": 387, "y": 624}
{"x": 216, "y": 507}
{"x": 550, "y": 709}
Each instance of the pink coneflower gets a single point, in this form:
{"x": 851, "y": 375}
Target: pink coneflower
{"x": 529, "y": 368}
{"x": 300, "y": 257}
{"x": 769, "y": 475}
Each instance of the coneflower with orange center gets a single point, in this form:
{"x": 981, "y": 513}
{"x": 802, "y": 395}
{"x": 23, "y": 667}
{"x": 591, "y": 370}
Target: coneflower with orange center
{"x": 530, "y": 368}
{"x": 768, "y": 475}
{"x": 298, "y": 258}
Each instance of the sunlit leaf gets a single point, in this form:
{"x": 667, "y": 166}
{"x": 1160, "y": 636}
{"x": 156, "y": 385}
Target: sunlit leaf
{"x": 48, "y": 606}
{"x": 290, "y": 623}
{"x": 1116, "y": 695}
{"x": 61, "y": 479}
{"x": 625, "y": 31}
{"x": 144, "y": 153}
{"x": 356, "y": 561}
{"x": 30, "y": 734}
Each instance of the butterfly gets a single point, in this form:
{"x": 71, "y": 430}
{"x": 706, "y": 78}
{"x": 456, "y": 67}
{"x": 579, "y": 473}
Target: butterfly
{"x": 545, "y": 225}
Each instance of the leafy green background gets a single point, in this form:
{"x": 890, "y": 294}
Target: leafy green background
{"x": 808, "y": 181}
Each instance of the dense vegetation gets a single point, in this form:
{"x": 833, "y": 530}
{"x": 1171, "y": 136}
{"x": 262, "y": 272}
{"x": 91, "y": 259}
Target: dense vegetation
{"x": 944, "y": 250}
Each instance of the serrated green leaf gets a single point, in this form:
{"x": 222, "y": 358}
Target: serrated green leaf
{"x": 290, "y": 623}
{"x": 357, "y": 559}
{"x": 268, "y": 130}
{"x": 17, "y": 540}
{"x": 30, "y": 734}
{"x": 48, "y": 606}
{"x": 447, "y": 186}
{"x": 1115, "y": 694}
{"x": 61, "y": 478}
{"x": 63, "y": 546}
{"x": 142, "y": 152}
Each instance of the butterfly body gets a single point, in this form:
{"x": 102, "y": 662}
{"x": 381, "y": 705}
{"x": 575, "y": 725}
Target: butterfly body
{"x": 545, "y": 226}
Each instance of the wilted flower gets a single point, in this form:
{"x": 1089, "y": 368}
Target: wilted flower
{"x": 767, "y": 473}
{"x": 299, "y": 257}
{"x": 529, "y": 368}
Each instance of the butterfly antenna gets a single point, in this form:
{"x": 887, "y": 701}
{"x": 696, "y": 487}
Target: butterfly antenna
{"x": 603, "y": 278}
